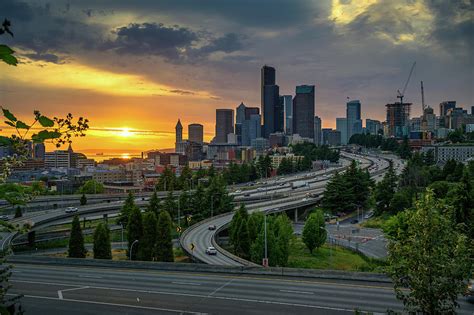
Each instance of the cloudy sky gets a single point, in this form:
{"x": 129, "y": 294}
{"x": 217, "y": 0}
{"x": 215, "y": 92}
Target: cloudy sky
{"x": 143, "y": 64}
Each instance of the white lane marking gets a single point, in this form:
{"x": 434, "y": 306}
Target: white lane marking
{"x": 113, "y": 304}
{"x": 221, "y": 287}
{"x": 60, "y": 292}
{"x": 185, "y": 283}
{"x": 87, "y": 276}
{"x": 300, "y": 292}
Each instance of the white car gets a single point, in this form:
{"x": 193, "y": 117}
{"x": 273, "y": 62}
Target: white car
{"x": 211, "y": 251}
{"x": 71, "y": 209}
{"x": 238, "y": 191}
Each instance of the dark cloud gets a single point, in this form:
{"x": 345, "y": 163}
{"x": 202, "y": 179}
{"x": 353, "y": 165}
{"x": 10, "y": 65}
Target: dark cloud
{"x": 228, "y": 43}
{"x": 153, "y": 39}
{"x": 182, "y": 92}
{"x": 45, "y": 57}
{"x": 16, "y": 11}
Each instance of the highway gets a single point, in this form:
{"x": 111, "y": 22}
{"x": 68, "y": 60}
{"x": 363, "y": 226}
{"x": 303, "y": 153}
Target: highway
{"x": 201, "y": 237}
{"x": 94, "y": 290}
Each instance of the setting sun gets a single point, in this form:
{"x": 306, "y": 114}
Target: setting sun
{"x": 125, "y": 132}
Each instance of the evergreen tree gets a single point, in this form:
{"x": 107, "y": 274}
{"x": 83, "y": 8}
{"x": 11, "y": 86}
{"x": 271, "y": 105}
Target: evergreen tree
{"x": 283, "y": 234}
{"x": 154, "y": 205}
{"x": 148, "y": 240}
{"x": 76, "y": 240}
{"x": 170, "y": 205}
{"x": 127, "y": 208}
{"x": 198, "y": 200}
{"x": 83, "y": 200}
{"x": 164, "y": 245}
{"x": 243, "y": 244}
{"x": 429, "y": 260}
{"x": 404, "y": 150}
{"x": 237, "y": 226}
{"x": 18, "y": 212}
{"x": 167, "y": 180}
{"x": 102, "y": 248}
{"x": 257, "y": 250}
{"x": 185, "y": 203}
{"x": 254, "y": 224}
{"x": 385, "y": 190}
{"x": 134, "y": 231}
{"x": 314, "y": 232}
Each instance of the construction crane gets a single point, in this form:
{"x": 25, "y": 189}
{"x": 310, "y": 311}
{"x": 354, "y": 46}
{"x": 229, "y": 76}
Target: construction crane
{"x": 401, "y": 95}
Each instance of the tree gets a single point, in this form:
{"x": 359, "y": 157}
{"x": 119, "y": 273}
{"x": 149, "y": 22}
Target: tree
{"x": 239, "y": 232}
{"x": 283, "y": 234}
{"x": 198, "y": 200}
{"x": 170, "y": 205}
{"x": 101, "y": 247}
{"x": 148, "y": 240}
{"x": 127, "y": 208}
{"x": 404, "y": 150}
{"x": 384, "y": 190}
{"x": 134, "y": 232}
{"x": 255, "y": 223}
{"x": 154, "y": 205}
{"x": 83, "y": 200}
{"x": 18, "y": 213}
{"x": 257, "y": 250}
{"x": 91, "y": 187}
{"x": 314, "y": 231}
{"x": 76, "y": 240}
{"x": 430, "y": 258}
{"x": 164, "y": 245}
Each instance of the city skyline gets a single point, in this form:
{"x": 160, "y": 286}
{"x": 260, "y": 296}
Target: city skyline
{"x": 190, "y": 70}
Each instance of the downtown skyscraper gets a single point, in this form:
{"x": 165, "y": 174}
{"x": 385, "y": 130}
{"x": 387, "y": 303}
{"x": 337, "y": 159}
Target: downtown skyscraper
{"x": 303, "y": 111}
{"x": 354, "y": 122}
{"x": 272, "y": 107}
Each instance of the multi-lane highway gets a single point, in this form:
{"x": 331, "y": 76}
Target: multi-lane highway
{"x": 200, "y": 237}
{"x": 88, "y": 290}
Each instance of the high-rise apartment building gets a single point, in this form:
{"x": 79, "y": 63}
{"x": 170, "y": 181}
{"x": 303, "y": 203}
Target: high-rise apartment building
{"x": 445, "y": 106}
{"x": 341, "y": 126}
{"x": 373, "y": 126}
{"x": 196, "y": 133}
{"x": 317, "y": 131}
{"x": 303, "y": 111}
{"x": 398, "y": 119}
{"x": 224, "y": 124}
{"x": 354, "y": 122}
{"x": 288, "y": 113}
{"x": 58, "y": 158}
{"x": 251, "y": 129}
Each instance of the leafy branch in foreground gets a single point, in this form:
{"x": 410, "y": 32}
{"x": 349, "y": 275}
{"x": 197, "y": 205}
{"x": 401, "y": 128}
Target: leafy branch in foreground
{"x": 6, "y": 53}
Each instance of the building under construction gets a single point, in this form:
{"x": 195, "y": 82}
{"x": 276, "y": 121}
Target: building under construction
{"x": 398, "y": 119}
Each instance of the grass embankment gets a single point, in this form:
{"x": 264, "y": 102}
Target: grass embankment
{"x": 376, "y": 222}
{"x": 331, "y": 258}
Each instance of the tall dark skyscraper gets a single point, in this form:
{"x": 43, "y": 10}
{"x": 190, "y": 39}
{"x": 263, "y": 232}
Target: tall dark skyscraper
{"x": 445, "y": 106}
{"x": 303, "y": 111}
{"x": 354, "y": 122}
{"x": 272, "y": 108}
{"x": 196, "y": 133}
{"x": 224, "y": 124}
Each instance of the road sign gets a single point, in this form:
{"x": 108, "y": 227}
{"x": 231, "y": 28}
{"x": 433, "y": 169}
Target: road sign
{"x": 179, "y": 229}
{"x": 189, "y": 218}
{"x": 265, "y": 262}
{"x": 192, "y": 246}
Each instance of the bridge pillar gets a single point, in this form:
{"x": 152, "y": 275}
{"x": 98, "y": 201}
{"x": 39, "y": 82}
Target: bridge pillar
{"x": 296, "y": 215}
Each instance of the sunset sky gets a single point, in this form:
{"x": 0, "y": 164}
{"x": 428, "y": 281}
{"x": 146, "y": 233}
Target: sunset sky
{"x": 134, "y": 67}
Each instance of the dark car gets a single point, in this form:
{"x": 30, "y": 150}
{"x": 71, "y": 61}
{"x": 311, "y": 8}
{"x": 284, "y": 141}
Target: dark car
{"x": 211, "y": 227}
{"x": 355, "y": 221}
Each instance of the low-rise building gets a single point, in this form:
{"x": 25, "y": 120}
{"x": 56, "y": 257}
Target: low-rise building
{"x": 444, "y": 153}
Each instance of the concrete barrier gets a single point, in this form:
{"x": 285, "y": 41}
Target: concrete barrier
{"x": 187, "y": 267}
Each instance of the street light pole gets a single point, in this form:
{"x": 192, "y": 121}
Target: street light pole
{"x": 131, "y": 248}
{"x": 212, "y": 206}
{"x": 265, "y": 233}
{"x": 330, "y": 247}
{"x": 121, "y": 225}
{"x": 179, "y": 216}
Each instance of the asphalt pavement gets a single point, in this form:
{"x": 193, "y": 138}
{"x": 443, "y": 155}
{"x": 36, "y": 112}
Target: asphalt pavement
{"x": 71, "y": 290}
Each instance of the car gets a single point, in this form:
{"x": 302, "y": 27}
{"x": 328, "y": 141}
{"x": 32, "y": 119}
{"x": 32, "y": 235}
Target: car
{"x": 4, "y": 217}
{"x": 238, "y": 191}
{"x": 211, "y": 227}
{"x": 282, "y": 184}
{"x": 304, "y": 199}
{"x": 355, "y": 221}
{"x": 211, "y": 251}
{"x": 71, "y": 209}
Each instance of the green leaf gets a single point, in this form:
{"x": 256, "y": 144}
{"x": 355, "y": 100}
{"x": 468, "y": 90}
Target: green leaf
{"x": 45, "y": 121}
{"x": 5, "y": 50}
{"x": 5, "y": 141}
{"x": 8, "y": 115}
{"x": 10, "y": 123}
{"x": 45, "y": 135}
{"x": 22, "y": 125}
{"x": 9, "y": 59}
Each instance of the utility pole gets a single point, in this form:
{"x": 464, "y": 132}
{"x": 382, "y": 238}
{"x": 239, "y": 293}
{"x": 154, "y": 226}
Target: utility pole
{"x": 265, "y": 259}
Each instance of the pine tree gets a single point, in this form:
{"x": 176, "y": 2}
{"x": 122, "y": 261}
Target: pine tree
{"x": 154, "y": 205}
{"x": 243, "y": 245}
{"x": 314, "y": 232}
{"x": 170, "y": 205}
{"x": 148, "y": 240}
{"x": 164, "y": 245}
{"x": 18, "y": 213}
{"x": 385, "y": 190}
{"x": 127, "y": 207}
{"x": 283, "y": 234}
{"x": 134, "y": 231}
{"x": 83, "y": 200}
{"x": 76, "y": 240}
{"x": 198, "y": 200}
{"x": 102, "y": 248}
{"x": 254, "y": 224}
